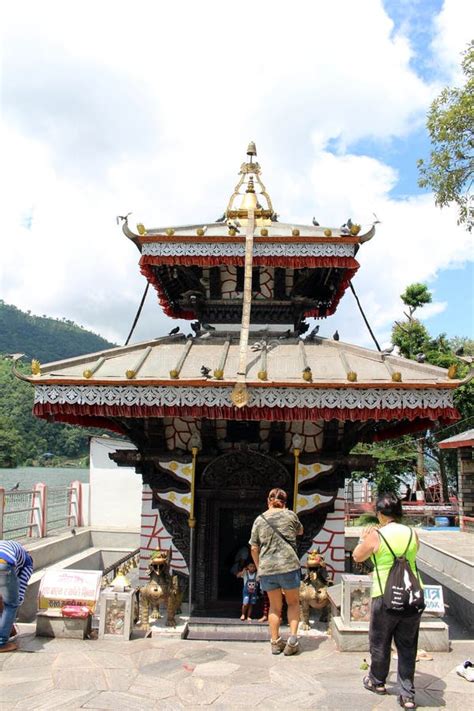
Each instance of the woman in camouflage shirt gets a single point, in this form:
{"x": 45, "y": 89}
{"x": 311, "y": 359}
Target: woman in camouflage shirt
{"x": 273, "y": 547}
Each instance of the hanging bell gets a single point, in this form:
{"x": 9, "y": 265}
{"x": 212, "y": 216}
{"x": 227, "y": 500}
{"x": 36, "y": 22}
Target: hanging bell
{"x": 251, "y": 149}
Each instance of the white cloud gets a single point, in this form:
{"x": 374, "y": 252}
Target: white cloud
{"x": 148, "y": 107}
{"x": 453, "y": 33}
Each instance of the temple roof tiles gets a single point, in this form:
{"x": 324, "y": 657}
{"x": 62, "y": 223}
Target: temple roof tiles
{"x": 179, "y": 361}
{"x": 275, "y": 231}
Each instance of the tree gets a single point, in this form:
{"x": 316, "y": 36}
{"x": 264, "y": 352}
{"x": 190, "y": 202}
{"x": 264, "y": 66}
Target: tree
{"x": 450, "y": 124}
{"x": 396, "y": 462}
{"x": 412, "y": 337}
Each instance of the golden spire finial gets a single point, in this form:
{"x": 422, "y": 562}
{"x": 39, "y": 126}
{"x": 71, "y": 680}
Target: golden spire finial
{"x": 249, "y": 174}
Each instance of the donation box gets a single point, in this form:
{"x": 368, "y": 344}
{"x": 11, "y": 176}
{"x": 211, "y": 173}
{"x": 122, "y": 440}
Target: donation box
{"x": 116, "y": 614}
{"x": 355, "y": 601}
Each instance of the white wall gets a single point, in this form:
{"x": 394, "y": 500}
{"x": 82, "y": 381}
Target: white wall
{"x": 115, "y": 492}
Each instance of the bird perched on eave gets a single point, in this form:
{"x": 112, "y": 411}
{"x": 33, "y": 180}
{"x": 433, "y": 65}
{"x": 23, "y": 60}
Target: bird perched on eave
{"x": 232, "y": 225}
{"x": 222, "y": 218}
{"x": 312, "y": 335}
{"x": 315, "y": 222}
{"x": 287, "y": 334}
{"x": 335, "y": 335}
{"x": 207, "y": 327}
{"x": 420, "y": 357}
{"x": 205, "y": 372}
{"x": 387, "y": 351}
{"x": 174, "y": 331}
{"x": 195, "y": 326}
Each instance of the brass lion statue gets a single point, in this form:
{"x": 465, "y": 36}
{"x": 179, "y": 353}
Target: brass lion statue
{"x": 162, "y": 589}
{"x": 314, "y": 589}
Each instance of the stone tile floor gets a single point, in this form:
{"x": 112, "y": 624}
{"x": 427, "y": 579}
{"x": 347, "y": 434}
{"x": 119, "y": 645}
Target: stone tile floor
{"x": 176, "y": 674}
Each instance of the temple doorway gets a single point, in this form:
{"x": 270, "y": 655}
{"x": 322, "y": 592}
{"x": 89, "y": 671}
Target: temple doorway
{"x": 231, "y": 493}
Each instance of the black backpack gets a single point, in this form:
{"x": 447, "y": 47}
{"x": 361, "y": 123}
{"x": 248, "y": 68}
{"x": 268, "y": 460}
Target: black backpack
{"x": 403, "y": 592}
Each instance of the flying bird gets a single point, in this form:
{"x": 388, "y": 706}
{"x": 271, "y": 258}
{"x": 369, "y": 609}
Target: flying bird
{"x": 420, "y": 357}
{"x": 335, "y": 335}
{"x": 174, "y": 331}
{"x": 312, "y": 335}
{"x": 315, "y": 222}
{"x": 205, "y": 371}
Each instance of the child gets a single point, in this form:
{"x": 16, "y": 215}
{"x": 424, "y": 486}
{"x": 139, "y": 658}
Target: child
{"x": 249, "y": 593}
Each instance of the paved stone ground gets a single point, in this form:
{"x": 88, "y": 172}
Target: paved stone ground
{"x": 175, "y": 674}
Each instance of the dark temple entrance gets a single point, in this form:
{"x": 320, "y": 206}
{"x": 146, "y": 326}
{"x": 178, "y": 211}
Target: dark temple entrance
{"x": 231, "y": 493}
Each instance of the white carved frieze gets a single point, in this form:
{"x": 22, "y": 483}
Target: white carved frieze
{"x": 220, "y": 396}
{"x": 237, "y": 249}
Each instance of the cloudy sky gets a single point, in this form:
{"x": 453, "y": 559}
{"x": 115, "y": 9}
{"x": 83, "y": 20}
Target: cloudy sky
{"x": 111, "y": 107}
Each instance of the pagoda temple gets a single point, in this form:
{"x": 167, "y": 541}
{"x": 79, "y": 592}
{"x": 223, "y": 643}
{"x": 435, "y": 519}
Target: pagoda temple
{"x": 253, "y": 398}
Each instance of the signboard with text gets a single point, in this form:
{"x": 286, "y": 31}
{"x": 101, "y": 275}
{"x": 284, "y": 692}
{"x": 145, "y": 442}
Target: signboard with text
{"x": 61, "y": 587}
{"x": 434, "y": 601}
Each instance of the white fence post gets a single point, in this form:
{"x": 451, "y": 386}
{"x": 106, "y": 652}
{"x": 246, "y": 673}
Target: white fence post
{"x": 75, "y": 513}
{"x": 39, "y": 512}
{"x": 2, "y": 508}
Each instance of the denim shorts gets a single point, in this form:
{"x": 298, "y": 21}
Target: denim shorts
{"x": 283, "y": 581}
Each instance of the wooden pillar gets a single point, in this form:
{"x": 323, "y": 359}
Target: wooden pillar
{"x": 466, "y": 488}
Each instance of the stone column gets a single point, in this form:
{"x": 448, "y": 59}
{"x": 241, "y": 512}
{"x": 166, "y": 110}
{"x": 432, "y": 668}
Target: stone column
{"x": 466, "y": 488}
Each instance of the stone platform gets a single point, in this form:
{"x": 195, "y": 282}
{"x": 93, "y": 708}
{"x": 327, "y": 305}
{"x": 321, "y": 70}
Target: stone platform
{"x": 172, "y": 674}
{"x": 434, "y": 636}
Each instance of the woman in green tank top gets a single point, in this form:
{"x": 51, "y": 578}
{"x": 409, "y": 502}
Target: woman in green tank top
{"x": 386, "y": 626}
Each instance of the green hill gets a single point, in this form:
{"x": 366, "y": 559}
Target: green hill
{"x": 25, "y": 439}
{"x": 43, "y": 338}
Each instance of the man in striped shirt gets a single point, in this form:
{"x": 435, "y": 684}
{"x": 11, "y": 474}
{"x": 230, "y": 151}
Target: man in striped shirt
{"x": 16, "y": 567}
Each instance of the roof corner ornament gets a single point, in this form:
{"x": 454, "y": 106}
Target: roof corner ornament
{"x": 35, "y": 367}
{"x": 15, "y": 357}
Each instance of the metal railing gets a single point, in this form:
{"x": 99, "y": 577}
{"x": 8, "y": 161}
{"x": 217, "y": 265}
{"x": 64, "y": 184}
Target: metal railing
{"x": 37, "y": 512}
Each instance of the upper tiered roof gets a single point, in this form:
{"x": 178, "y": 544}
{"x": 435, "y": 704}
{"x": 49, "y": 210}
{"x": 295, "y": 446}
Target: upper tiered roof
{"x": 319, "y": 261}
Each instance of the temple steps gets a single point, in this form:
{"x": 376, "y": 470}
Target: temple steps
{"x": 225, "y": 629}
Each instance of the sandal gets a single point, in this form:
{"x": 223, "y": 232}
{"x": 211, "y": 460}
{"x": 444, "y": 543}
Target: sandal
{"x": 376, "y": 688}
{"x": 406, "y": 702}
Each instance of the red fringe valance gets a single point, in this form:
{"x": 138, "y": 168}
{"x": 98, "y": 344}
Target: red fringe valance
{"x": 78, "y": 412}
{"x": 411, "y": 427}
{"x": 258, "y": 261}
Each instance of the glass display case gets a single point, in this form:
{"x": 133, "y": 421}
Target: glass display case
{"x": 355, "y": 600}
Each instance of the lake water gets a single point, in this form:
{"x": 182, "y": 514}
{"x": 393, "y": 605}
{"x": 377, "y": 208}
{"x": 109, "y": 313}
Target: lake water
{"x": 17, "y": 504}
{"x": 51, "y": 476}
